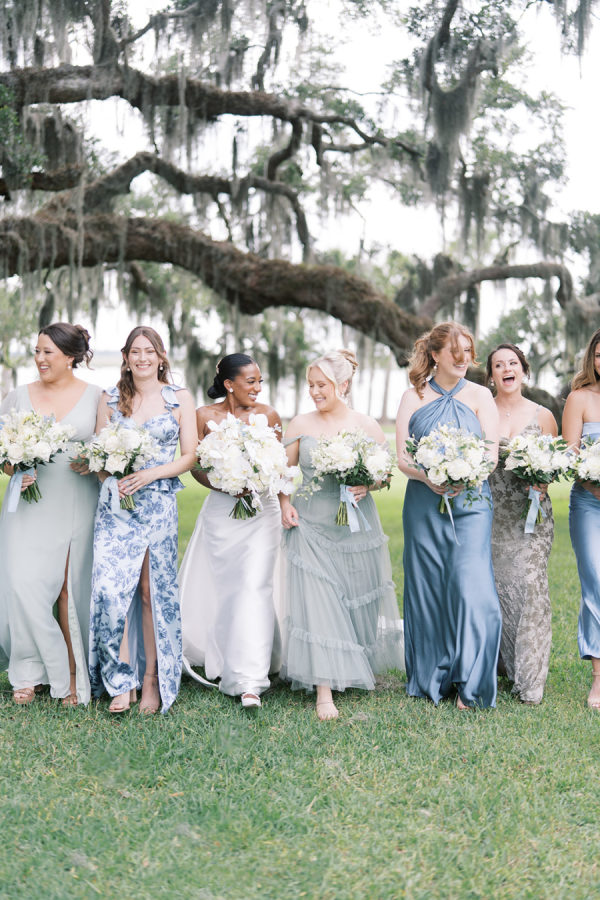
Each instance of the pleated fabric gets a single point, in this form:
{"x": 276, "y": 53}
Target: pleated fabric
{"x": 341, "y": 623}
{"x": 451, "y": 611}
{"x": 584, "y": 527}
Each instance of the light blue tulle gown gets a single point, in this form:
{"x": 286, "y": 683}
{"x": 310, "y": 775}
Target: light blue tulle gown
{"x": 584, "y": 526}
{"x": 121, "y": 539}
{"x": 341, "y": 623}
{"x": 452, "y": 618}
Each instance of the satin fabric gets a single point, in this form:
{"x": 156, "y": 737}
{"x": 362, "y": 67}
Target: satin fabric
{"x": 452, "y": 616}
{"x": 35, "y": 542}
{"x": 584, "y": 527}
{"x": 226, "y": 588}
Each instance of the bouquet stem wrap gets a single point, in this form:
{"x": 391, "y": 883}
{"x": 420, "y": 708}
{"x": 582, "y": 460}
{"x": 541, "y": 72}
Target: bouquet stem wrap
{"x": 446, "y": 506}
{"x": 535, "y": 513}
{"x": 349, "y": 512}
{"x": 13, "y": 491}
{"x": 110, "y": 490}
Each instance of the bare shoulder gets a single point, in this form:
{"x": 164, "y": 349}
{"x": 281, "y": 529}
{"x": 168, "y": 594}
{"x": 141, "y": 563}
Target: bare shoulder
{"x": 369, "y": 425}
{"x": 204, "y": 414}
{"x": 546, "y": 421}
{"x": 299, "y": 425}
{"x": 409, "y": 402}
{"x": 576, "y": 401}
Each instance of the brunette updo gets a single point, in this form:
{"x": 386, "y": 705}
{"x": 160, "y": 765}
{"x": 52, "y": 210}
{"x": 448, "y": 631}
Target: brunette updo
{"x": 507, "y": 346}
{"x": 337, "y": 366}
{"x": 72, "y": 340}
{"x": 421, "y": 364}
{"x": 125, "y": 384}
{"x": 227, "y": 369}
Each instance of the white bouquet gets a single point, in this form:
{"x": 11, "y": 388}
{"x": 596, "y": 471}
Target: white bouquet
{"x": 352, "y": 458}
{"x": 28, "y": 440}
{"x": 246, "y": 458}
{"x": 454, "y": 457}
{"x": 536, "y": 459}
{"x": 119, "y": 450}
{"x": 586, "y": 464}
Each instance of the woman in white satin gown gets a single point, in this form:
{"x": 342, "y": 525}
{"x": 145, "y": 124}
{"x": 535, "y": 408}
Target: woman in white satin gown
{"x": 226, "y": 577}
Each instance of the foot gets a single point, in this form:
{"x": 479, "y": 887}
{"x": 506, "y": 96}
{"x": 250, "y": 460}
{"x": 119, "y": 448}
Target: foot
{"x": 326, "y": 709}
{"x": 150, "y": 702}
{"x": 71, "y": 698}
{"x": 461, "y": 705}
{"x": 122, "y": 702}
{"x": 593, "y": 700}
{"x": 250, "y": 700}
{"x": 25, "y": 695}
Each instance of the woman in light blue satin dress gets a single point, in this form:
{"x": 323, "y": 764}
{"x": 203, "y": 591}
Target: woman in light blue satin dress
{"x": 581, "y": 418}
{"x": 135, "y": 622}
{"x": 452, "y": 619}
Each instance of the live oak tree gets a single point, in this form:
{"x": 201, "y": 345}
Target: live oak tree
{"x": 247, "y": 143}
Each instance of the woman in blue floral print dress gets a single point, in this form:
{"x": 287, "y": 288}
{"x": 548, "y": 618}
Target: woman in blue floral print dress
{"x": 135, "y": 627}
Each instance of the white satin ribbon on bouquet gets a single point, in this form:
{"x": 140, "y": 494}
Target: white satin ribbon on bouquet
{"x": 448, "y": 505}
{"x": 110, "y": 492}
{"x": 13, "y": 491}
{"x": 352, "y": 508}
{"x": 534, "y": 509}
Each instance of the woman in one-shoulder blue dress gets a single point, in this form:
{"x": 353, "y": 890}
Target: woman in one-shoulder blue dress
{"x": 452, "y": 618}
{"x": 135, "y": 622}
{"x": 581, "y": 419}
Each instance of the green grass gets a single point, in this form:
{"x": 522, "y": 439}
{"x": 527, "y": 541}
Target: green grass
{"x": 395, "y": 799}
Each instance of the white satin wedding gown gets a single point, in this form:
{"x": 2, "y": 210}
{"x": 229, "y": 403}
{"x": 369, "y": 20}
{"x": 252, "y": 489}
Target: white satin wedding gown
{"x": 226, "y": 593}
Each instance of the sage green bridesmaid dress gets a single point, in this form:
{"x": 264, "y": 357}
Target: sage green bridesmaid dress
{"x": 35, "y": 542}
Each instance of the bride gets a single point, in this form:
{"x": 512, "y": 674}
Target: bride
{"x": 226, "y": 577}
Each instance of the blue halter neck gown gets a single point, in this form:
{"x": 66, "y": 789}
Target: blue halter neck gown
{"x": 452, "y": 615}
{"x": 584, "y": 526}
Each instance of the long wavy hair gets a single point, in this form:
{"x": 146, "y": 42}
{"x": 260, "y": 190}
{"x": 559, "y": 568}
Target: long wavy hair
{"x": 125, "y": 385}
{"x": 422, "y": 363}
{"x": 587, "y": 374}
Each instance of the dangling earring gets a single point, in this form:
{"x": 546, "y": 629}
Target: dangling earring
{"x": 161, "y": 367}
{"x": 492, "y": 382}
{"x": 128, "y": 369}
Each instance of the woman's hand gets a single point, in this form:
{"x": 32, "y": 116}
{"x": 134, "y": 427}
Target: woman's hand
{"x": 450, "y": 490}
{"x": 80, "y": 465}
{"x": 360, "y": 491}
{"x": 129, "y": 484}
{"x": 289, "y": 515}
{"x": 28, "y": 480}
{"x": 541, "y": 488}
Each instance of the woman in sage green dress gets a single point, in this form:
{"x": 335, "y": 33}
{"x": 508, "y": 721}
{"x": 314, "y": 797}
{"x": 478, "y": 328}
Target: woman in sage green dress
{"x": 520, "y": 560}
{"x": 451, "y": 611}
{"x": 46, "y": 547}
{"x": 581, "y": 419}
{"x": 341, "y": 623}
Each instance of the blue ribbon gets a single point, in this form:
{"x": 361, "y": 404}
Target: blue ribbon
{"x": 534, "y": 508}
{"x": 347, "y": 497}
{"x": 448, "y": 506}
{"x": 110, "y": 493}
{"x": 13, "y": 491}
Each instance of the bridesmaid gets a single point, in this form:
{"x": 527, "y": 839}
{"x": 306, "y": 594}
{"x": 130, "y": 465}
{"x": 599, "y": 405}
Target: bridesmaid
{"x": 451, "y": 611}
{"x": 46, "y": 547}
{"x": 520, "y": 560}
{"x": 581, "y": 418}
{"x": 342, "y": 623}
{"x": 227, "y": 572}
{"x": 135, "y": 629}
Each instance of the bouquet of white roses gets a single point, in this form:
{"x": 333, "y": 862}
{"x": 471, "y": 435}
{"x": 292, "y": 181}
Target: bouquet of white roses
{"x": 586, "y": 464}
{"x": 352, "y": 458}
{"x": 119, "y": 450}
{"x": 536, "y": 459}
{"x": 452, "y": 456}
{"x": 28, "y": 440}
{"x": 246, "y": 458}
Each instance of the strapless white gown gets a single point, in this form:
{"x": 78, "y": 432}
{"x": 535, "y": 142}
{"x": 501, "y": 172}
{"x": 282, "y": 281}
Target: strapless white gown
{"x": 226, "y": 593}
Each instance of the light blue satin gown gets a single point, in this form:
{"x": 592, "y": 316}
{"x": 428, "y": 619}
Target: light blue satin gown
{"x": 452, "y": 618}
{"x": 584, "y": 527}
{"x": 120, "y": 545}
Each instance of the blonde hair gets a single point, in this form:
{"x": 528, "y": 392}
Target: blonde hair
{"x": 587, "y": 374}
{"x": 421, "y": 364}
{"x": 337, "y": 366}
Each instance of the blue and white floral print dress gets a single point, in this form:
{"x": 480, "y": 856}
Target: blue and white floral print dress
{"x": 121, "y": 539}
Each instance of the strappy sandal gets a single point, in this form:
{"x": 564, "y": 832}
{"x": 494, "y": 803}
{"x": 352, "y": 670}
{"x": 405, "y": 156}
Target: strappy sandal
{"x": 25, "y": 695}
{"x": 250, "y": 700}
{"x": 149, "y": 708}
{"x": 122, "y": 702}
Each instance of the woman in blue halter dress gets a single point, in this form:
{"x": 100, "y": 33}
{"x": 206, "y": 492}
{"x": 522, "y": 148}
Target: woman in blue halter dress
{"x": 452, "y": 619}
{"x": 581, "y": 419}
{"x": 135, "y": 622}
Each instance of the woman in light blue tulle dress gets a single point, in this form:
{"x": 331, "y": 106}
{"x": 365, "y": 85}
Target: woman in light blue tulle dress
{"x": 581, "y": 419}
{"x": 452, "y": 616}
{"x": 341, "y": 623}
{"x": 135, "y": 627}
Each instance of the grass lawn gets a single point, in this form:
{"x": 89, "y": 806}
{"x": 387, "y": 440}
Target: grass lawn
{"x": 395, "y": 799}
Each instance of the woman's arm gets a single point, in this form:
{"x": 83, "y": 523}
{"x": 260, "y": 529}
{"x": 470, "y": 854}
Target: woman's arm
{"x": 547, "y": 422}
{"x": 408, "y": 405}
{"x": 487, "y": 413}
{"x": 289, "y": 513}
{"x": 572, "y": 419}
